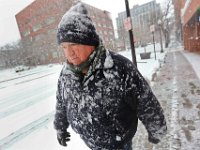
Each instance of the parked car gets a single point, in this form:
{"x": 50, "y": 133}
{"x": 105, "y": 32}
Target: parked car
{"x": 21, "y": 68}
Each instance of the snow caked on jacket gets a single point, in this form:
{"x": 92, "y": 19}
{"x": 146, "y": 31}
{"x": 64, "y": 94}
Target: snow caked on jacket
{"x": 103, "y": 106}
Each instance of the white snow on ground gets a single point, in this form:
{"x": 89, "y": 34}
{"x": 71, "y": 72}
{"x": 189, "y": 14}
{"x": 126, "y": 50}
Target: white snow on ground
{"x": 27, "y": 106}
{"x": 147, "y": 66}
{"x": 10, "y": 73}
{"x": 174, "y": 107}
{"x": 194, "y": 60}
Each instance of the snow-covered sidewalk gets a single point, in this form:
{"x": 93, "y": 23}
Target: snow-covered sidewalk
{"x": 194, "y": 60}
{"x": 177, "y": 87}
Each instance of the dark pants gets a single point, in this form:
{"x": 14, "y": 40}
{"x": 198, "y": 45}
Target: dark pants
{"x": 128, "y": 146}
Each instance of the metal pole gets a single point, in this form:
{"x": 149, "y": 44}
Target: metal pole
{"x": 131, "y": 35}
{"x": 154, "y": 45}
{"x": 161, "y": 44}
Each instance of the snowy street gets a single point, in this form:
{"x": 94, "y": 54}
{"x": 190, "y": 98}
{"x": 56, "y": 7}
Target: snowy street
{"x": 27, "y": 105}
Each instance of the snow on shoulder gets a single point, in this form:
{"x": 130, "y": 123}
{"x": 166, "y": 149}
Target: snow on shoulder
{"x": 108, "y": 61}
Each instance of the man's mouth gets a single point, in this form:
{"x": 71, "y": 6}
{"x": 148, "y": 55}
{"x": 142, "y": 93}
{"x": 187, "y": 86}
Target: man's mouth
{"x": 73, "y": 58}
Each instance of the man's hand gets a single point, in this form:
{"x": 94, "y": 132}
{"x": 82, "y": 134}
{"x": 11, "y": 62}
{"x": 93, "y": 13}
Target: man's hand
{"x": 153, "y": 140}
{"x": 63, "y": 138}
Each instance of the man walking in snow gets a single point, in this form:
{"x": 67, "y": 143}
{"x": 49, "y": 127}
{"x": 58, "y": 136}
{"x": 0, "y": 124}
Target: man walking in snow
{"x": 101, "y": 94}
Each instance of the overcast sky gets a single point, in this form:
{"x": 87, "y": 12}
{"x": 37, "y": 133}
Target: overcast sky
{"x": 8, "y": 8}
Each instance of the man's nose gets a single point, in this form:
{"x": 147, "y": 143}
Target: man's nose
{"x": 69, "y": 51}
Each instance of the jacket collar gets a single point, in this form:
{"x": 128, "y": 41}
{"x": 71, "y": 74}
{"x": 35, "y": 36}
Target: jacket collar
{"x": 104, "y": 62}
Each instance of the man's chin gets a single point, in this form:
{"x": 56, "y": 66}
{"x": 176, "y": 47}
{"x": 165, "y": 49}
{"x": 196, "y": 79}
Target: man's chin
{"x": 75, "y": 63}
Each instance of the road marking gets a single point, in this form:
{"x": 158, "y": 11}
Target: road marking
{"x": 25, "y": 131}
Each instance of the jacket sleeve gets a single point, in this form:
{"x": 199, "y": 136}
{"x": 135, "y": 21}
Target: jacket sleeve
{"x": 149, "y": 110}
{"x": 60, "y": 121}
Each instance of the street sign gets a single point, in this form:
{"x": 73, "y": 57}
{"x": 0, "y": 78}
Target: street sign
{"x": 127, "y": 24}
{"x": 152, "y": 28}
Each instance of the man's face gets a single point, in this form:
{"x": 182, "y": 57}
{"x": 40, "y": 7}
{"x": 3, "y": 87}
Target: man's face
{"x": 76, "y": 53}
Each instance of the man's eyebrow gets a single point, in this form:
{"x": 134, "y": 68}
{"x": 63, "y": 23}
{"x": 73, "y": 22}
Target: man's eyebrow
{"x": 74, "y": 44}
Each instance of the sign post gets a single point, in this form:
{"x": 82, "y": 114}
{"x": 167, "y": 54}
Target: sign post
{"x": 128, "y": 24}
{"x": 131, "y": 37}
{"x": 152, "y": 29}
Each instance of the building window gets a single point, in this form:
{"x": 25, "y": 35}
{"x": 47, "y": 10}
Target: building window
{"x": 40, "y": 37}
{"x": 51, "y": 32}
{"x": 37, "y": 27}
{"x": 26, "y": 32}
{"x": 50, "y": 20}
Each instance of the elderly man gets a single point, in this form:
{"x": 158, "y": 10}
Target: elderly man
{"x": 101, "y": 94}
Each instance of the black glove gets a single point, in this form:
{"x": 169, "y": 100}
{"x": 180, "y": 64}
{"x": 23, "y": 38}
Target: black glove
{"x": 63, "y": 138}
{"x": 153, "y": 140}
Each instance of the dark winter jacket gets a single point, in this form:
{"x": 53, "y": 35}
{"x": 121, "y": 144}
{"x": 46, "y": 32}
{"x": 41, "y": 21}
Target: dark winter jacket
{"x": 104, "y": 105}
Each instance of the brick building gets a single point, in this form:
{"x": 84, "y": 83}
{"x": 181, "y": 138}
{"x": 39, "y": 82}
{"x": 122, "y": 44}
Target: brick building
{"x": 190, "y": 17}
{"x": 38, "y": 22}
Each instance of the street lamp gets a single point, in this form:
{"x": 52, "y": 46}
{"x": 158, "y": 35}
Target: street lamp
{"x": 161, "y": 43}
